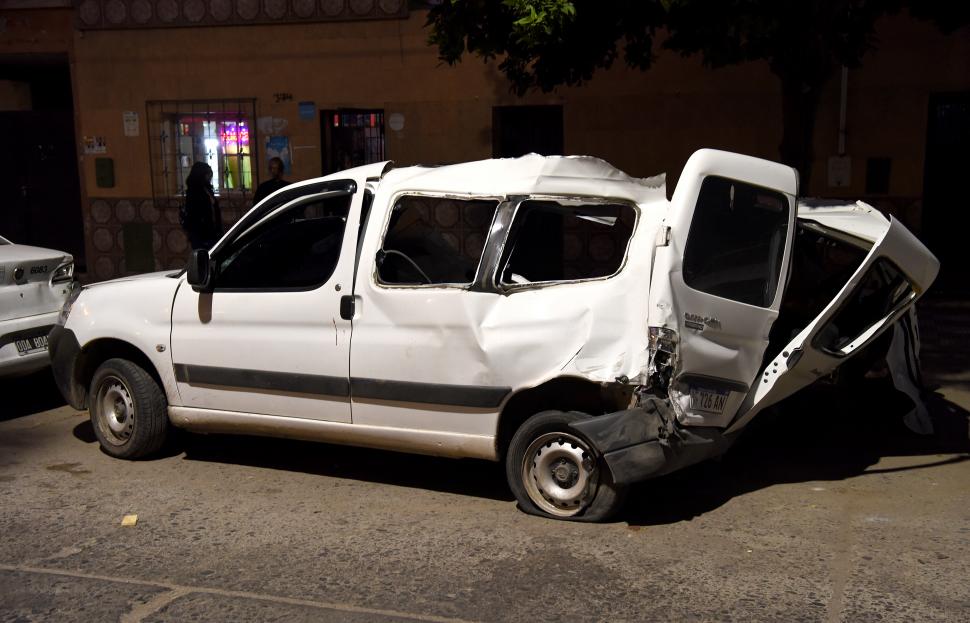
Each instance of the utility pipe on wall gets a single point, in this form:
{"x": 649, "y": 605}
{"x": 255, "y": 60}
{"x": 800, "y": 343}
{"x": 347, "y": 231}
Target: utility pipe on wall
{"x": 843, "y": 96}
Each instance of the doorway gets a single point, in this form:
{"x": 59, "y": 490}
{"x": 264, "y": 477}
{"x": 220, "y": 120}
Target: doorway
{"x": 520, "y": 130}
{"x": 41, "y": 204}
{"x": 946, "y": 209}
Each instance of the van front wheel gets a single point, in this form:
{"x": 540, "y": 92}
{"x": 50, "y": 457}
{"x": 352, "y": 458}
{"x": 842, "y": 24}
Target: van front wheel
{"x": 128, "y": 410}
{"x": 554, "y": 472}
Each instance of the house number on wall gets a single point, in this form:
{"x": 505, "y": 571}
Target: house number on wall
{"x": 283, "y": 97}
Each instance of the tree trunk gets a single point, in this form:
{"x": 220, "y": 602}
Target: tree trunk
{"x": 799, "y": 106}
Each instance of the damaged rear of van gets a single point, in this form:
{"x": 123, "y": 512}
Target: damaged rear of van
{"x": 754, "y": 296}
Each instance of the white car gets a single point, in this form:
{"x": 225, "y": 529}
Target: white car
{"x": 34, "y": 283}
{"x": 549, "y": 312}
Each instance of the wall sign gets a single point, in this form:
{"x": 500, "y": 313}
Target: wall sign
{"x": 130, "y": 120}
{"x": 840, "y": 171}
{"x": 94, "y": 145}
{"x": 308, "y": 111}
{"x": 279, "y": 147}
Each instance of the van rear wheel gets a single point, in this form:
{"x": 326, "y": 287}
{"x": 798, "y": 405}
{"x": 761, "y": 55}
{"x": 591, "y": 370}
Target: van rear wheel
{"x": 129, "y": 411}
{"x": 554, "y": 472}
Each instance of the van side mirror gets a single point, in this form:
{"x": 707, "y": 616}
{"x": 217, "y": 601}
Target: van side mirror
{"x": 199, "y": 273}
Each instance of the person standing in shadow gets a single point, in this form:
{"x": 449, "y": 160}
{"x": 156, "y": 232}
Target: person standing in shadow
{"x": 201, "y": 217}
{"x": 273, "y": 184}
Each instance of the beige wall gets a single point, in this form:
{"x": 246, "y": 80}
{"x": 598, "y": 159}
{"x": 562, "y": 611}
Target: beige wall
{"x": 36, "y": 31}
{"x": 644, "y": 123}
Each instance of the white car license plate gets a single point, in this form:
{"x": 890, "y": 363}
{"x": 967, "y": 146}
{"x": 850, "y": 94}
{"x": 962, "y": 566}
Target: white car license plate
{"x": 30, "y": 345}
{"x": 707, "y": 400}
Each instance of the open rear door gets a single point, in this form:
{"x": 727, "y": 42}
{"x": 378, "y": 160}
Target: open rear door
{"x": 896, "y": 271}
{"x": 718, "y": 278}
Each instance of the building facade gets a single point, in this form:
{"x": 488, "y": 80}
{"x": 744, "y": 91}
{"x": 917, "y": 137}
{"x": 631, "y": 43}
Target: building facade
{"x": 155, "y": 85}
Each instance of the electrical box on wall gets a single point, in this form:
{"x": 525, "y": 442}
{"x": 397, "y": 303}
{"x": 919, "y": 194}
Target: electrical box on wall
{"x": 104, "y": 172}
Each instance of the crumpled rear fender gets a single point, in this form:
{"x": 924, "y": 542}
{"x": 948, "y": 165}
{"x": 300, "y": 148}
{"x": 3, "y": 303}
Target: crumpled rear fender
{"x": 645, "y": 442}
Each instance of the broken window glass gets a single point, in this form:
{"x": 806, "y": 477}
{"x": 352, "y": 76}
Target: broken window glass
{"x": 434, "y": 240}
{"x": 882, "y": 291}
{"x": 550, "y": 241}
{"x": 821, "y": 264}
{"x": 736, "y": 243}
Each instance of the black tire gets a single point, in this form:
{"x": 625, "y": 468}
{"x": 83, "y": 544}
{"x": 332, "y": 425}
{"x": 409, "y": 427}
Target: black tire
{"x": 129, "y": 411}
{"x": 560, "y": 456}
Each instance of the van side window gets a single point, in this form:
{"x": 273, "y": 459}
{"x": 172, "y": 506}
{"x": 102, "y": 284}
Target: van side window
{"x": 434, "y": 240}
{"x": 550, "y": 242}
{"x": 736, "y": 244}
{"x": 295, "y": 250}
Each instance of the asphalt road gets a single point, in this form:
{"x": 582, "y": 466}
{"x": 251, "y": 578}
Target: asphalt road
{"x": 828, "y": 510}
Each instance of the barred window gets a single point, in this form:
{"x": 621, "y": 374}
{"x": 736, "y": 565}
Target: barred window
{"x": 221, "y": 133}
{"x": 351, "y": 138}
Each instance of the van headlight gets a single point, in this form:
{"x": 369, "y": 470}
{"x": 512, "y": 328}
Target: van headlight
{"x": 63, "y": 273}
{"x": 66, "y": 309}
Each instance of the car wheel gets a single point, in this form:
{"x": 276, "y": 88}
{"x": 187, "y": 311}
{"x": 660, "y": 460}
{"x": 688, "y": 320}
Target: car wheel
{"x": 128, "y": 410}
{"x": 554, "y": 472}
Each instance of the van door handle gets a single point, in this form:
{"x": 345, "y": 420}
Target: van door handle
{"x": 348, "y": 306}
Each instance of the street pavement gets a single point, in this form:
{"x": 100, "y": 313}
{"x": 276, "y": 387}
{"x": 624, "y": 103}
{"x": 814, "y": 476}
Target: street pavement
{"x": 827, "y": 510}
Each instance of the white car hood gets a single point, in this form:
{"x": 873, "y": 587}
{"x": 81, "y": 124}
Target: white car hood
{"x": 162, "y": 274}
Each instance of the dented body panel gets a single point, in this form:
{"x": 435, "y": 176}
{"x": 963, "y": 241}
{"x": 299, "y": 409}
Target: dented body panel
{"x": 517, "y": 338}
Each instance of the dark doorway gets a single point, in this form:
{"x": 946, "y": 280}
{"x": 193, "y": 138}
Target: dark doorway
{"x": 351, "y": 138}
{"x": 946, "y": 208}
{"x": 520, "y": 130}
{"x": 40, "y": 199}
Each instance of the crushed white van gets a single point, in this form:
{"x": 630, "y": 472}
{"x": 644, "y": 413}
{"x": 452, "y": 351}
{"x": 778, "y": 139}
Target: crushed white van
{"x": 34, "y": 283}
{"x": 549, "y": 312}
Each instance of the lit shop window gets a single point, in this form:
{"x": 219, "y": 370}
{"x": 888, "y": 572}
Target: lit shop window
{"x": 218, "y": 133}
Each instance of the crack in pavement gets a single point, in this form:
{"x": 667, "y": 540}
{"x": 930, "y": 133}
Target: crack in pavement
{"x": 174, "y": 591}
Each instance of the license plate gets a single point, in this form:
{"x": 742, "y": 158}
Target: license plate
{"x": 30, "y": 345}
{"x": 707, "y": 400}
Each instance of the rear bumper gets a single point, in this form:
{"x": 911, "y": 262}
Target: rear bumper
{"x": 64, "y": 350}
{"x": 646, "y": 442}
{"x": 12, "y": 362}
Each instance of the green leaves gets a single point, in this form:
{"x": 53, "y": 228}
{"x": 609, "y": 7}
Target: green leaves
{"x": 543, "y": 16}
{"x": 547, "y": 43}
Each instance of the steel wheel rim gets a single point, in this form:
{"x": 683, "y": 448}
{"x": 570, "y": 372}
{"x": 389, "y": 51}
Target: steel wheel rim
{"x": 559, "y": 473}
{"x": 114, "y": 410}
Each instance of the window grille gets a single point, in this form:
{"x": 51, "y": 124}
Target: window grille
{"x": 221, "y": 133}
{"x": 352, "y": 138}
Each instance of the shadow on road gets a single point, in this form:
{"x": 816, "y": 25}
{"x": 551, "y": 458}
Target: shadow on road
{"x": 26, "y": 395}
{"x": 464, "y": 477}
{"x": 824, "y": 434}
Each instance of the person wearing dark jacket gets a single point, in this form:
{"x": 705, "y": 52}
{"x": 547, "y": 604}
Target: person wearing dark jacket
{"x": 273, "y": 184}
{"x": 201, "y": 216}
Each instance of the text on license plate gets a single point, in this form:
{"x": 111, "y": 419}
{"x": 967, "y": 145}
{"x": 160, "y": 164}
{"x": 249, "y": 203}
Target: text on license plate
{"x": 707, "y": 400}
{"x": 32, "y": 344}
